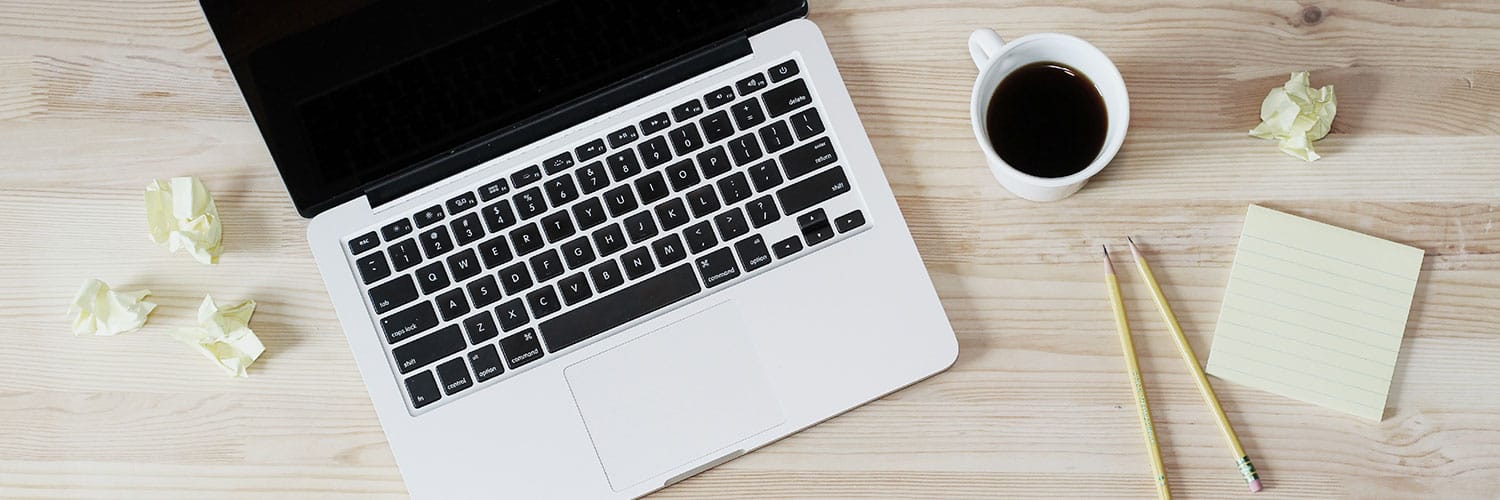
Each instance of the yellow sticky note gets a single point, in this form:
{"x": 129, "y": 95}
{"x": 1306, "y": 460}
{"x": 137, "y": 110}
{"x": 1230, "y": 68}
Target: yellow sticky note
{"x": 100, "y": 311}
{"x": 181, "y": 214}
{"x": 224, "y": 336}
{"x": 1315, "y": 312}
{"x": 1295, "y": 115}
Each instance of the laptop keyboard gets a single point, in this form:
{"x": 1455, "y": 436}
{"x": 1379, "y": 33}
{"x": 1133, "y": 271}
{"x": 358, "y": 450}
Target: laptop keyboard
{"x": 515, "y": 271}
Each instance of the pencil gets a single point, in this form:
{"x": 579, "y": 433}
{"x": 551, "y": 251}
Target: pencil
{"x": 1242, "y": 460}
{"x": 1135, "y": 378}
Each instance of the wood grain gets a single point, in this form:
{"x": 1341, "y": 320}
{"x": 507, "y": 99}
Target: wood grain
{"x": 99, "y": 97}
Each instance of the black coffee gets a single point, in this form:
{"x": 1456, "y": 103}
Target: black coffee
{"x": 1047, "y": 120}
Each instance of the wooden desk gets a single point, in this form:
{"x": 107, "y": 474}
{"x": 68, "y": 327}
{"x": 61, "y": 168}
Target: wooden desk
{"x": 97, "y": 98}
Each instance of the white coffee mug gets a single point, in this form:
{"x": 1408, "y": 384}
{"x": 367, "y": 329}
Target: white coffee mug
{"x": 997, "y": 59}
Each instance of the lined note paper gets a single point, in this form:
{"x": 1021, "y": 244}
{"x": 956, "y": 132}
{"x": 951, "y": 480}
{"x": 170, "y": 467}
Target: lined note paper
{"x": 1315, "y": 312}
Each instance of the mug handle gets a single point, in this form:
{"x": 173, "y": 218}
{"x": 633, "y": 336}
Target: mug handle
{"x": 984, "y": 44}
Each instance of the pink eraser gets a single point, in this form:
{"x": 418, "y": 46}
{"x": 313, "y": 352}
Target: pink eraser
{"x": 1254, "y": 485}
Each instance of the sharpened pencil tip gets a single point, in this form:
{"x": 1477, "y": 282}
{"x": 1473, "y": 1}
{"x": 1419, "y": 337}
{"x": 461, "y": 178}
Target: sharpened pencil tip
{"x": 1109, "y": 267}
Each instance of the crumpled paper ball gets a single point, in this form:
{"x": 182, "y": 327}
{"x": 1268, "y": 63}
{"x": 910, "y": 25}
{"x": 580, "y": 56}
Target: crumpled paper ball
{"x": 100, "y": 311}
{"x": 224, "y": 336}
{"x": 1295, "y": 115}
{"x": 181, "y": 214}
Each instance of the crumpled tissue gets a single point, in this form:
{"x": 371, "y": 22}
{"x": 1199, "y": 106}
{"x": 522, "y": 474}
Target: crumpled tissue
{"x": 224, "y": 336}
{"x": 182, "y": 215}
{"x": 1295, "y": 115}
{"x": 98, "y": 310}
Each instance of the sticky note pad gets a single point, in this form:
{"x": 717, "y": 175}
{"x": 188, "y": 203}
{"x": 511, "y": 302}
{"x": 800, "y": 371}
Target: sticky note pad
{"x": 1315, "y": 312}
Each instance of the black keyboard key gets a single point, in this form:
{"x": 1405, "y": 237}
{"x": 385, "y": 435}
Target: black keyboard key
{"x": 719, "y": 97}
{"x": 593, "y": 177}
{"x": 652, "y": 187}
{"x": 589, "y": 213}
{"x": 734, "y": 188}
{"x": 480, "y": 327}
{"x": 405, "y": 254}
{"x": 668, "y": 249}
{"x": 623, "y": 136}
{"x": 815, "y": 227}
{"x": 526, "y": 239}
{"x": 808, "y": 158}
{"x": 429, "y": 216}
{"x": 850, "y": 221}
{"x": 713, "y": 162}
{"x": 731, "y": 224}
{"x": 484, "y": 291}
{"x": 672, "y": 214}
{"x": 424, "y": 350}
{"x": 717, "y": 267}
{"x": 486, "y": 363}
{"x": 590, "y": 150}
{"x": 546, "y": 265}
{"x": 523, "y": 177}
{"x": 776, "y": 136}
{"x": 813, "y": 190}
{"x": 606, "y": 275}
{"x": 561, "y": 190}
{"x": 466, "y": 229}
{"x": 515, "y": 278}
{"x": 745, "y": 149}
{"x": 655, "y": 151}
{"x": 561, "y": 162}
{"x": 637, "y": 263}
{"x": 454, "y": 376}
{"x": 609, "y": 239}
{"x": 620, "y": 200}
{"x": 521, "y": 348}
{"x": 700, "y": 237}
{"x": 753, "y": 253}
{"x": 462, "y": 202}
{"x": 783, "y": 71}
{"x": 435, "y": 242}
{"x": 682, "y": 175}
{"x": 498, "y": 216}
{"x": 687, "y": 110}
{"x": 640, "y": 226}
{"x": 655, "y": 123}
{"x": 396, "y": 229}
{"x": 408, "y": 322}
{"x": 432, "y": 277}
{"x": 751, "y": 84}
{"x": 716, "y": 126}
{"x": 363, "y": 243}
{"x": 747, "y": 113}
{"x": 806, "y": 123}
{"x": 574, "y": 289}
{"x": 703, "y": 201}
{"x": 463, "y": 265}
{"x": 557, "y": 225}
{"x": 373, "y": 267}
{"x": 685, "y": 139}
{"x": 493, "y": 190}
{"x": 785, "y": 248}
{"x": 423, "y": 389}
{"x": 613, "y": 310}
{"x": 787, "y": 98}
{"x": 451, "y": 304}
{"x": 623, "y": 165}
{"x": 494, "y": 252}
{"x": 529, "y": 203}
{"x": 765, "y": 175}
{"x": 512, "y": 315}
{"x": 543, "y": 302}
{"x": 762, "y": 211}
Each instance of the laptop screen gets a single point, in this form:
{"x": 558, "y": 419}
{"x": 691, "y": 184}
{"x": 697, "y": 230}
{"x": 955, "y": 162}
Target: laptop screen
{"x": 347, "y": 92}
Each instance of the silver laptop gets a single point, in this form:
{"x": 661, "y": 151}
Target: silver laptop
{"x": 585, "y": 249}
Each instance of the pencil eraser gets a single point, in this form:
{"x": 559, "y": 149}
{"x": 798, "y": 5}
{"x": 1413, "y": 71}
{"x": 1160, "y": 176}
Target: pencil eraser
{"x": 1254, "y": 485}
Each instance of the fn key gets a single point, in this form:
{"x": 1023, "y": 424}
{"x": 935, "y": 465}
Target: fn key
{"x": 423, "y": 389}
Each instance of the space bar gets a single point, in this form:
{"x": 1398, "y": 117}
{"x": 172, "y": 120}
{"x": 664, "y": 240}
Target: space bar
{"x": 620, "y": 307}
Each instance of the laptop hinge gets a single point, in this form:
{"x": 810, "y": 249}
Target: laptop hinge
{"x": 556, "y": 120}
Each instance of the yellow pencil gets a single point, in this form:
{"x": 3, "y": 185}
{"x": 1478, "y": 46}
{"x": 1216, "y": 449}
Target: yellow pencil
{"x": 1242, "y": 460}
{"x": 1135, "y": 378}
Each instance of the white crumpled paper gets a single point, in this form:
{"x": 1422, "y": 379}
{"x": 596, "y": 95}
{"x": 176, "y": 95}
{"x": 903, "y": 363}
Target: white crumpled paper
{"x": 1295, "y": 115}
{"x": 98, "y": 310}
{"x": 182, "y": 215}
{"x": 224, "y": 336}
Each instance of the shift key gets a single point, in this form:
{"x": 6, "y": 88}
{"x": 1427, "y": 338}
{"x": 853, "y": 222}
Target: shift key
{"x": 813, "y": 190}
{"x": 429, "y": 348}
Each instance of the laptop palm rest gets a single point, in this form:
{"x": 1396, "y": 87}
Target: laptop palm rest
{"x": 680, "y": 394}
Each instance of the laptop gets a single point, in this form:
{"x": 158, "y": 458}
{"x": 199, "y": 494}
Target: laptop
{"x": 587, "y": 248}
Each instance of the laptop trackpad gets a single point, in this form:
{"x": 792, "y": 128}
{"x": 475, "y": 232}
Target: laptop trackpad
{"x": 680, "y": 394}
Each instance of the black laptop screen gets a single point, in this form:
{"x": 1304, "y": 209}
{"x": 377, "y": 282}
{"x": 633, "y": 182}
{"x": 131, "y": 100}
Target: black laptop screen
{"x": 347, "y": 92}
